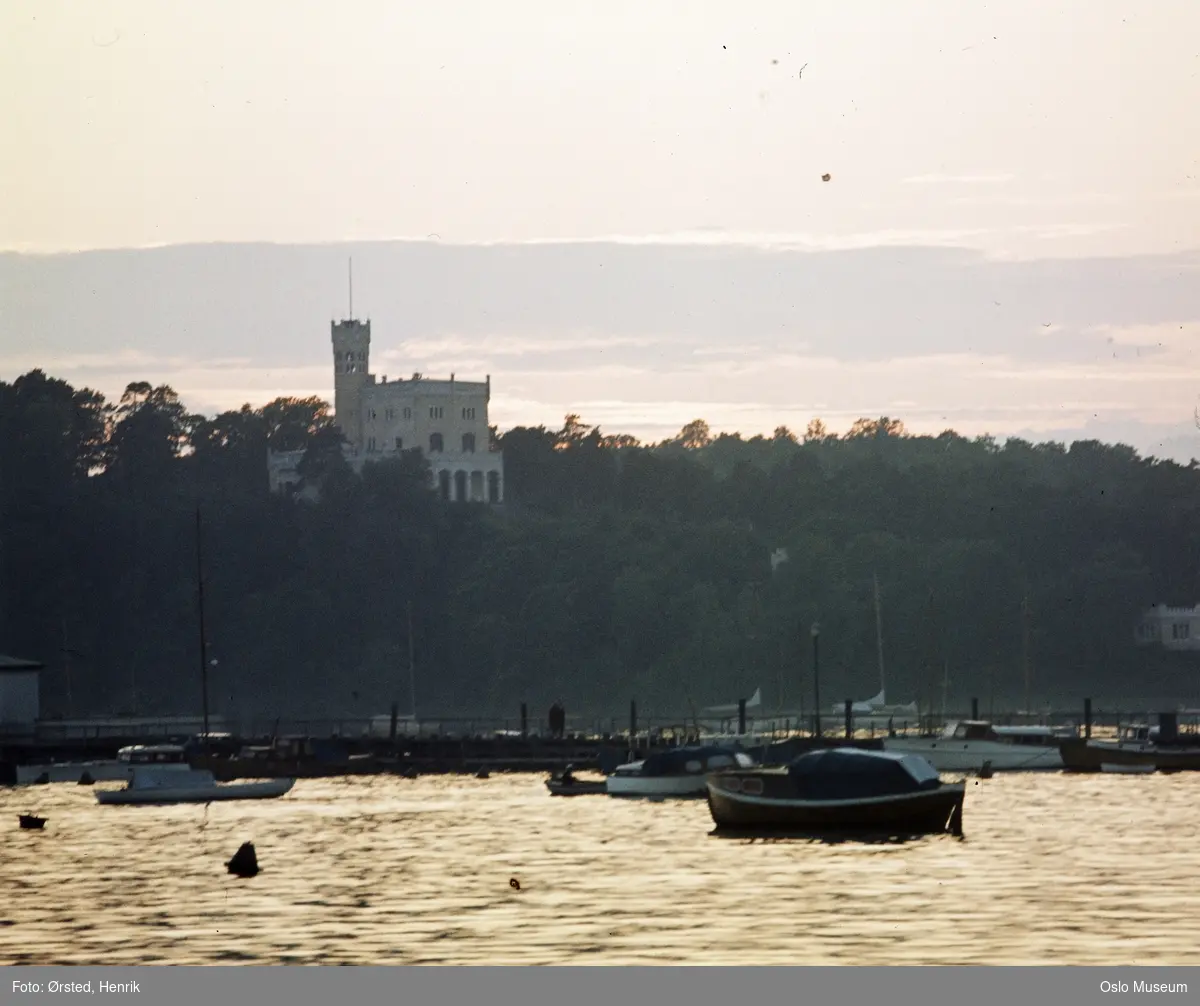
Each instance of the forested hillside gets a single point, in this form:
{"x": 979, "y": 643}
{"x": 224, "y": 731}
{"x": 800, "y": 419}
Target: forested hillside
{"x": 615, "y": 570}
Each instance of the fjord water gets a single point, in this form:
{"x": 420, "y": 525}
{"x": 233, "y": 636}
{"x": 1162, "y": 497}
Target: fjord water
{"x": 1053, "y": 869}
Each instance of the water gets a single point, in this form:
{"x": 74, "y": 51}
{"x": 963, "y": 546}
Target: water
{"x": 1053, "y": 869}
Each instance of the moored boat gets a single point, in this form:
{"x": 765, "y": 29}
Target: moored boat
{"x": 966, "y": 745}
{"x": 838, "y": 790}
{"x": 160, "y": 773}
{"x": 1137, "y": 744}
{"x": 675, "y": 772}
{"x": 566, "y": 783}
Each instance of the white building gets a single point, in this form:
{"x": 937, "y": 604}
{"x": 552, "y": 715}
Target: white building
{"x": 19, "y": 708}
{"x": 1171, "y": 628}
{"x": 447, "y": 420}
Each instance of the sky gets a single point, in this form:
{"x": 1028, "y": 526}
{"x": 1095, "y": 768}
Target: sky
{"x": 619, "y": 209}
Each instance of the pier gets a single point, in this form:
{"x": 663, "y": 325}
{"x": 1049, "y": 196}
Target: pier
{"x": 316, "y": 748}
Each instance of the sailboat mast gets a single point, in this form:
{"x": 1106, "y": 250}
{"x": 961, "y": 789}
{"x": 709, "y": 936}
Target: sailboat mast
{"x": 1025, "y": 645}
{"x": 412, "y": 674}
{"x": 879, "y": 642}
{"x": 203, "y": 642}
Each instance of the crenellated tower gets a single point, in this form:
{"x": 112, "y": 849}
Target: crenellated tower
{"x": 351, "y": 375}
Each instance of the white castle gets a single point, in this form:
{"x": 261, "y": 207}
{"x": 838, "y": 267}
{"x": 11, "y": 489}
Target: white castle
{"x": 446, "y": 420}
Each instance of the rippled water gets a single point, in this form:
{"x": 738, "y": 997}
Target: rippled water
{"x": 1053, "y": 869}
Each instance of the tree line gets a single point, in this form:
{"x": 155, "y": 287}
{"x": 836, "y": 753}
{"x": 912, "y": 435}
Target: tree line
{"x": 681, "y": 573}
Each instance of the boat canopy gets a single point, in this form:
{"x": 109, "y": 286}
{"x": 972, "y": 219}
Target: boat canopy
{"x": 700, "y": 758}
{"x": 854, "y": 773}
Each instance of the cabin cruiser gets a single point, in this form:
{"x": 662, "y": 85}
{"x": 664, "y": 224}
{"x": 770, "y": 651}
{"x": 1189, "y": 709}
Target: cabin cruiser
{"x": 838, "y": 790}
{"x": 675, "y": 771}
{"x": 161, "y": 773}
{"x": 967, "y": 745}
{"x": 1138, "y": 745}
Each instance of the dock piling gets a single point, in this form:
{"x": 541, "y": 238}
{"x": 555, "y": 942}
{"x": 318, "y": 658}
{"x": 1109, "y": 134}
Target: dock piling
{"x": 741, "y": 716}
{"x": 974, "y": 709}
{"x": 524, "y": 720}
{"x": 849, "y": 718}
{"x": 1087, "y": 719}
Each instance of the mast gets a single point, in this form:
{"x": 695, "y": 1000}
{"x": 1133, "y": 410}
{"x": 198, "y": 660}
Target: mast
{"x": 200, "y": 608}
{"x": 879, "y": 642}
{"x": 412, "y": 679}
{"x": 1025, "y": 646}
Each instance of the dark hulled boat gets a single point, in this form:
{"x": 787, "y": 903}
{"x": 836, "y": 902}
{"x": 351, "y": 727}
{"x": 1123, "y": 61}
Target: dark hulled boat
{"x": 838, "y": 790}
{"x": 1138, "y": 746}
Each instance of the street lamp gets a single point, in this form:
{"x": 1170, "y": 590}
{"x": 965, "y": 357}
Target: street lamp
{"x": 816, "y": 641}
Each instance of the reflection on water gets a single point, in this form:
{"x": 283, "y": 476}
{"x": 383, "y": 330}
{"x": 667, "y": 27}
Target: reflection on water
{"x": 1053, "y": 869}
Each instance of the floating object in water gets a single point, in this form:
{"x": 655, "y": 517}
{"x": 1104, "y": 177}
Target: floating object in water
{"x": 32, "y": 822}
{"x": 483, "y": 774}
{"x": 514, "y": 883}
{"x": 86, "y": 779}
{"x": 244, "y": 862}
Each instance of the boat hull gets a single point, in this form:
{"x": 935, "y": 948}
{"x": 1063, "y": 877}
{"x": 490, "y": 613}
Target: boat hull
{"x": 951, "y": 755}
{"x": 1094, "y": 756}
{"x": 266, "y": 790}
{"x": 921, "y": 813}
{"x": 584, "y": 787}
{"x": 656, "y": 786}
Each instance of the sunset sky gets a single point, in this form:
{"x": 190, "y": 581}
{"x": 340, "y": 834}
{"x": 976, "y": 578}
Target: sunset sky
{"x": 618, "y": 209}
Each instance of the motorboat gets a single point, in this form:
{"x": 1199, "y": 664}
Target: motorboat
{"x": 838, "y": 790}
{"x": 566, "y": 783}
{"x": 161, "y": 773}
{"x": 675, "y": 772}
{"x": 966, "y": 745}
{"x": 1161, "y": 747}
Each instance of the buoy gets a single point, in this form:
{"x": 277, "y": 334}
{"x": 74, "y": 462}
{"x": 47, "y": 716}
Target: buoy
{"x": 482, "y": 774}
{"x": 86, "y": 779}
{"x": 514, "y": 883}
{"x": 244, "y": 862}
{"x": 32, "y": 822}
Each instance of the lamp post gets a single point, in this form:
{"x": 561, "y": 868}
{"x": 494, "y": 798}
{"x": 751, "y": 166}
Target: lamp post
{"x": 816, "y": 641}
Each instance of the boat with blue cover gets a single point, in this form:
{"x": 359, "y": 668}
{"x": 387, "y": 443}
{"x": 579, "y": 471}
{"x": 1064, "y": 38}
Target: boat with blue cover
{"x": 836, "y": 790}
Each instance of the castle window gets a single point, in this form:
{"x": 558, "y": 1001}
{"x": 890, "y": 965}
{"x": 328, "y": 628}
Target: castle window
{"x": 468, "y": 443}
{"x": 435, "y": 442}
{"x": 468, "y": 413}
{"x": 372, "y": 415}
{"x": 407, "y": 412}
{"x": 399, "y": 443}
{"x": 435, "y": 412}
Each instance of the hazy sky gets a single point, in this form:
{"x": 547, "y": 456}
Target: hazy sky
{"x": 1023, "y": 134}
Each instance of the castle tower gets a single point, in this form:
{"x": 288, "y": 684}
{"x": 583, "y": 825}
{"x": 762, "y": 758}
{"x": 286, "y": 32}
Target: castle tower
{"x": 351, "y": 375}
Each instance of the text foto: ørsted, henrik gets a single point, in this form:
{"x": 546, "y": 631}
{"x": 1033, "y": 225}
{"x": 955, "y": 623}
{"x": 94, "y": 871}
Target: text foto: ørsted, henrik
{"x": 90, "y": 988}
